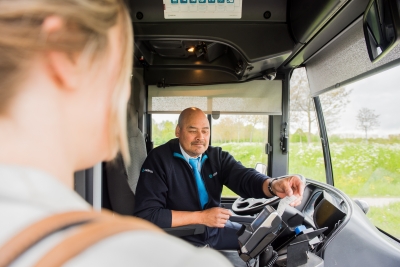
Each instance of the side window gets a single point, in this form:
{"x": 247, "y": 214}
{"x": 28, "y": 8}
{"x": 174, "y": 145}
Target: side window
{"x": 365, "y": 145}
{"x": 305, "y": 149}
{"x": 244, "y": 137}
{"x": 163, "y": 128}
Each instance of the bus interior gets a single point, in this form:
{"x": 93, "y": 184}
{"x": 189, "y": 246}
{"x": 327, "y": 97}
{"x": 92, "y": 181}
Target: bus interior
{"x": 246, "y": 63}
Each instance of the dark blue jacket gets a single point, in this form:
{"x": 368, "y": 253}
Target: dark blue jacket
{"x": 167, "y": 182}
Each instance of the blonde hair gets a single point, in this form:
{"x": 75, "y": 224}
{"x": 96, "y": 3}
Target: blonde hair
{"x": 86, "y": 26}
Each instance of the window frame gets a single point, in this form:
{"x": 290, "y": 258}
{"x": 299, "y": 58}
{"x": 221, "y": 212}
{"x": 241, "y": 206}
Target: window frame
{"x": 323, "y": 134}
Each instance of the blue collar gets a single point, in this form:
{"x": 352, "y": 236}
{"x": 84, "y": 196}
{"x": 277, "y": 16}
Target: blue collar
{"x": 179, "y": 155}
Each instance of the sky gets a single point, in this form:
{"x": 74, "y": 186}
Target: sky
{"x": 380, "y": 93}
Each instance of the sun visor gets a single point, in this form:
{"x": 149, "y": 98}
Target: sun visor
{"x": 345, "y": 60}
{"x": 255, "y": 97}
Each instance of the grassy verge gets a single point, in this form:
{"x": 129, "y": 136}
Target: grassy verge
{"x": 386, "y": 218}
{"x": 249, "y": 154}
{"x": 360, "y": 170}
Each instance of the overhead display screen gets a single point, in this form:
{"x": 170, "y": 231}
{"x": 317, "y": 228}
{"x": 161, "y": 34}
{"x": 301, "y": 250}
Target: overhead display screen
{"x": 202, "y": 9}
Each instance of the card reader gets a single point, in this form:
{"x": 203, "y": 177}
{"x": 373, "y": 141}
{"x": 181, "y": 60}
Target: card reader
{"x": 263, "y": 230}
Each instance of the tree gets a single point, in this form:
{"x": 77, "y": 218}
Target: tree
{"x": 302, "y": 104}
{"x": 222, "y": 131}
{"x": 252, "y": 120}
{"x": 238, "y": 122}
{"x": 367, "y": 120}
{"x": 240, "y": 128}
{"x": 163, "y": 131}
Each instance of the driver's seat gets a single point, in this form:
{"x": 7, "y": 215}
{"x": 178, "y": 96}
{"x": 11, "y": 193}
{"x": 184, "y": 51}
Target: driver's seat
{"x": 121, "y": 181}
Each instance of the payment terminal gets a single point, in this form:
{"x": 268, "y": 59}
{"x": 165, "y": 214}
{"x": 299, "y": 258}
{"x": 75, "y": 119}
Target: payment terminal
{"x": 253, "y": 239}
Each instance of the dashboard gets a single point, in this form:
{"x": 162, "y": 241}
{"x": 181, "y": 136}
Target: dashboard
{"x": 333, "y": 230}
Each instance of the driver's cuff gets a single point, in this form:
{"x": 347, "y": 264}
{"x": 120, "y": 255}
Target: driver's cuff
{"x": 270, "y": 187}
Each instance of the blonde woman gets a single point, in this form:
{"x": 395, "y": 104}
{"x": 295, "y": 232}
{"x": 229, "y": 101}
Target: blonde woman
{"x": 65, "y": 68}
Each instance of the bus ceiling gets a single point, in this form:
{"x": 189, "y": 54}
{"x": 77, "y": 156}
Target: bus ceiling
{"x": 207, "y": 42}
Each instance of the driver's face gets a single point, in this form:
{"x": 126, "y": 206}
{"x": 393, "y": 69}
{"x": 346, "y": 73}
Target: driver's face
{"x": 194, "y": 133}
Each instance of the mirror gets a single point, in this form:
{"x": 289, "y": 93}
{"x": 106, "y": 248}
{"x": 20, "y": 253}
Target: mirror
{"x": 381, "y": 27}
{"x": 364, "y": 206}
{"x": 262, "y": 168}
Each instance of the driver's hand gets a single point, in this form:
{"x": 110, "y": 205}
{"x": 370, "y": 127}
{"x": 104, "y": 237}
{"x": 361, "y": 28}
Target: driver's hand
{"x": 289, "y": 186}
{"x": 215, "y": 217}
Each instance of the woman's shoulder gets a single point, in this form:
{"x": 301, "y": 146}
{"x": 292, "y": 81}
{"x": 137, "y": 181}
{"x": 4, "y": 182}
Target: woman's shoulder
{"x": 146, "y": 248}
{"x": 128, "y": 248}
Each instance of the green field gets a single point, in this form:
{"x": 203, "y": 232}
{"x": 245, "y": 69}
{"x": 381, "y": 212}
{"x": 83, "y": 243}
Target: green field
{"x": 386, "y": 218}
{"x": 249, "y": 154}
{"x": 360, "y": 170}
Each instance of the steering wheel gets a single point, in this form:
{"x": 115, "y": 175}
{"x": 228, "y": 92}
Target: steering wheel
{"x": 250, "y": 206}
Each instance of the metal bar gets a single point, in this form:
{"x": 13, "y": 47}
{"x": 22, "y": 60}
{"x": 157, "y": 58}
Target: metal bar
{"x": 324, "y": 141}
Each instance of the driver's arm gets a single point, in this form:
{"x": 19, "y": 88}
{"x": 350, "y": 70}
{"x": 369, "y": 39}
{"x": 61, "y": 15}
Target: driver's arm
{"x": 151, "y": 193}
{"x": 214, "y": 217}
{"x": 247, "y": 182}
{"x": 151, "y": 201}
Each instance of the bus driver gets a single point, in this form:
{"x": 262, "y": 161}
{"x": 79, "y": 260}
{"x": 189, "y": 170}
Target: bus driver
{"x": 181, "y": 183}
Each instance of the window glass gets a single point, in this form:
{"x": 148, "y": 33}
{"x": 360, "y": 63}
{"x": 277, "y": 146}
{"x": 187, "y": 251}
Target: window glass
{"x": 364, "y": 140}
{"x": 244, "y": 137}
{"x": 163, "y": 127}
{"x": 305, "y": 149}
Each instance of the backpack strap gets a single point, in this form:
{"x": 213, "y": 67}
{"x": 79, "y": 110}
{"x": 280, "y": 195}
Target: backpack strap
{"x": 94, "y": 227}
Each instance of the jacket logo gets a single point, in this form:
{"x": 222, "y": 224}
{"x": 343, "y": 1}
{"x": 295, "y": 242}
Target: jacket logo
{"x": 147, "y": 170}
{"x": 212, "y": 175}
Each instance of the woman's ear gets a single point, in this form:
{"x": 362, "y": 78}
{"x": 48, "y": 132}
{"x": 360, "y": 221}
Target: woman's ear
{"x": 63, "y": 70}
{"x": 62, "y": 67}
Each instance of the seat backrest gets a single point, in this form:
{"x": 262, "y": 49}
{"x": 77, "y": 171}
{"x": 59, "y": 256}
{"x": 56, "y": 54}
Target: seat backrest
{"x": 137, "y": 150}
{"x": 121, "y": 180}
